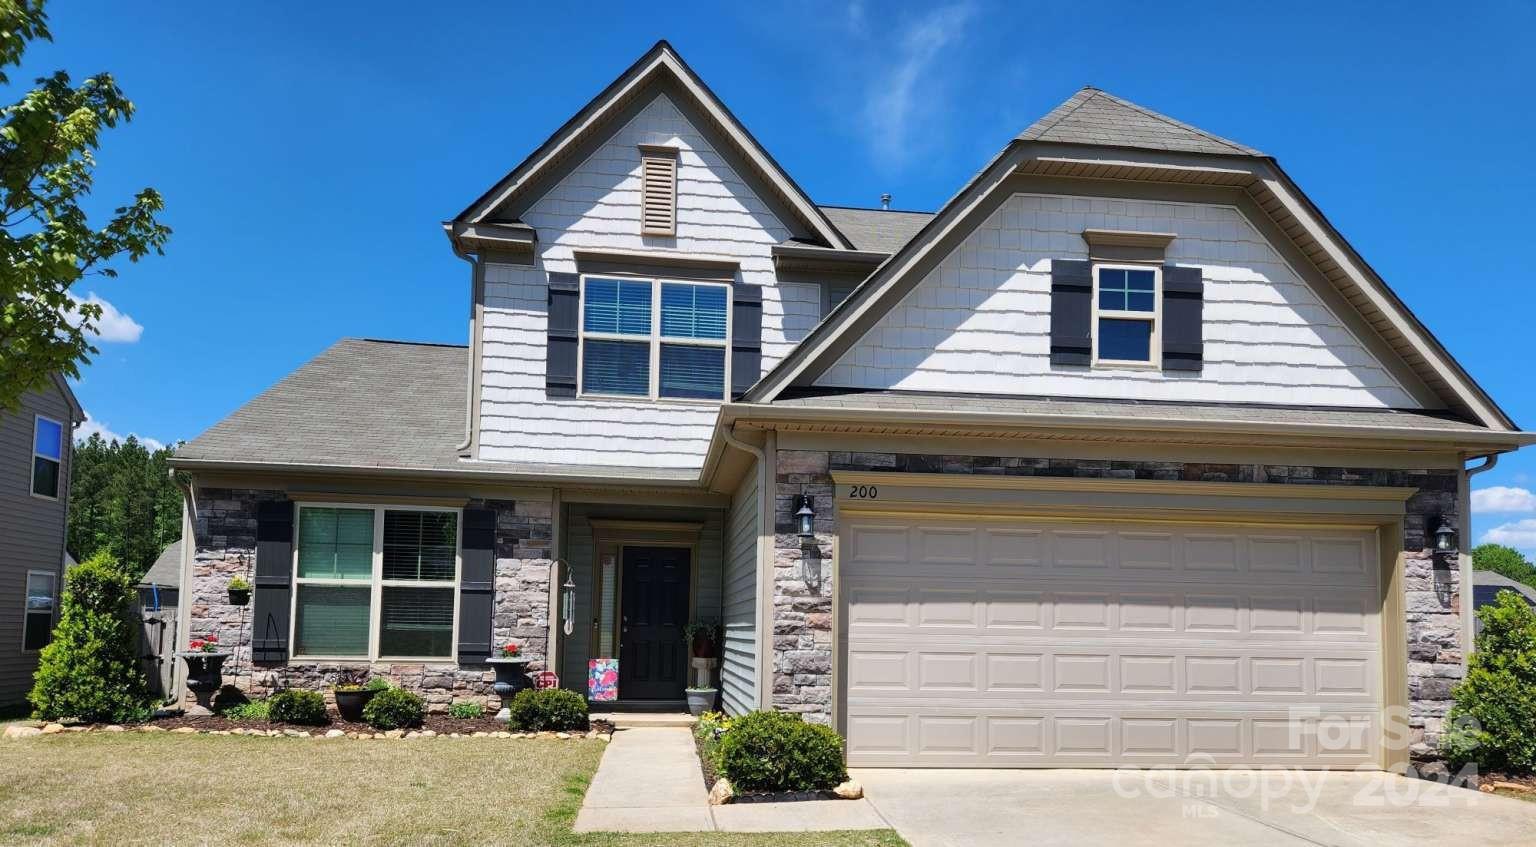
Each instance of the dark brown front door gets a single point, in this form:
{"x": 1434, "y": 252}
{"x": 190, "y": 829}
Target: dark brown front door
{"x": 654, "y": 601}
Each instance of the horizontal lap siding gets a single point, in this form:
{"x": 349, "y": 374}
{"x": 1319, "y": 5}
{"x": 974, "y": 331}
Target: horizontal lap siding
{"x": 980, "y": 321}
{"x": 738, "y": 668}
{"x": 597, "y": 206}
{"x": 31, "y": 531}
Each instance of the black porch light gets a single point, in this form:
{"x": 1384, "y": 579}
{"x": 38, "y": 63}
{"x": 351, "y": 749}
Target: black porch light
{"x": 805, "y": 516}
{"x": 1445, "y": 537}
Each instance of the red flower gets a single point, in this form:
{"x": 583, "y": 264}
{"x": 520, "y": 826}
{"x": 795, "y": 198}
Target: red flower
{"x": 212, "y": 639}
{"x": 509, "y": 650}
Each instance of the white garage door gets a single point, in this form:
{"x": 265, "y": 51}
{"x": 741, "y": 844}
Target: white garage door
{"x": 1022, "y": 644}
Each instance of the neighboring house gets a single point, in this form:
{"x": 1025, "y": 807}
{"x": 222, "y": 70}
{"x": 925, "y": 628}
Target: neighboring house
{"x": 1123, "y": 456}
{"x": 36, "y": 444}
{"x": 1486, "y": 586}
{"x": 160, "y": 586}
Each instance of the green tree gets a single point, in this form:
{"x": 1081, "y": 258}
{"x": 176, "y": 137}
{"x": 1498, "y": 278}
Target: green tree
{"x": 122, "y": 500}
{"x": 1504, "y": 560}
{"x": 48, "y": 140}
{"x": 90, "y": 670}
{"x": 1493, "y": 723}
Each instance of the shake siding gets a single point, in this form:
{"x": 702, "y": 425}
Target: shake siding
{"x": 980, "y": 322}
{"x": 738, "y": 666}
{"x": 598, "y": 206}
{"x": 31, "y": 531}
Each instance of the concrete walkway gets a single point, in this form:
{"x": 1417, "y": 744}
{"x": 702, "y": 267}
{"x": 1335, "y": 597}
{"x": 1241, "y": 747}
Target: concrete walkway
{"x": 649, "y": 781}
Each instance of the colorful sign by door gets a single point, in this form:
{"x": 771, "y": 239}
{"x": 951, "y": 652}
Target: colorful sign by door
{"x": 603, "y": 679}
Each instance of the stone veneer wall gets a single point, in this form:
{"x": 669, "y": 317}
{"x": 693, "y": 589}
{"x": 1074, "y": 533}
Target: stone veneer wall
{"x": 225, "y": 532}
{"x": 803, "y": 613}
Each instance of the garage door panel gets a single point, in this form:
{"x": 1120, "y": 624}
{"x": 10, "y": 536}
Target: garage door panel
{"x": 1101, "y": 645}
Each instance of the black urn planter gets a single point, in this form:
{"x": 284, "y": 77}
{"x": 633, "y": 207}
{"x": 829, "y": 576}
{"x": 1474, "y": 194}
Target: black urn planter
{"x": 205, "y": 676}
{"x": 511, "y": 677}
{"x": 351, "y": 702}
{"x": 239, "y": 596}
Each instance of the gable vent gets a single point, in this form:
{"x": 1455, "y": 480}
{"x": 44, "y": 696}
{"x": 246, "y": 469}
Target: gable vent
{"x": 658, "y": 190}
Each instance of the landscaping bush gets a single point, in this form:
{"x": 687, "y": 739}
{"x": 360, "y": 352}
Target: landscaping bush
{"x": 777, "y": 751}
{"x": 297, "y": 706}
{"x": 394, "y": 708}
{"x": 250, "y": 710}
{"x": 466, "y": 711}
{"x": 549, "y": 709}
{"x": 91, "y": 670}
{"x": 1493, "y": 723}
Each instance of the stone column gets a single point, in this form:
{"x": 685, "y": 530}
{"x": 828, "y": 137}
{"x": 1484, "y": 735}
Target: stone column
{"x": 802, "y": 589}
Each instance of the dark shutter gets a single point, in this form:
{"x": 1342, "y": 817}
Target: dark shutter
{"x": 477, "y": 586}
{"x": 1183, "y": 330}
{"x": 1071, "y": 312}
{"x": 272, "y": 594}
{"x": 746, "y": 337}
{"x": 560, "y": 353}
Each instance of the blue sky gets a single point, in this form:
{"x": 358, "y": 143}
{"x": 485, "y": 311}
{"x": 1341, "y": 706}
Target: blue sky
{"x": 308, "y": 151}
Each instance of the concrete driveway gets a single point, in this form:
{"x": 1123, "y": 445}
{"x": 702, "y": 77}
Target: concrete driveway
{"x": 976, "y": 808}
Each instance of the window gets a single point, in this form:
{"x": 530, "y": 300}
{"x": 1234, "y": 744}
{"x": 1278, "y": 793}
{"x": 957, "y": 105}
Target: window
{"x": 1127, "y": 306}
{"x": 47, "y": 456}
{"x": 42, "y": 598}
{"x": 376, "y": 582}
{"x": 658, "y": 190}
{"x": 654, "y": 338}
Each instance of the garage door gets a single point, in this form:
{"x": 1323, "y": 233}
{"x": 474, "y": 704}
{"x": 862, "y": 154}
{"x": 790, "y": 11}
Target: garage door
{"x": 1023, "y": 644}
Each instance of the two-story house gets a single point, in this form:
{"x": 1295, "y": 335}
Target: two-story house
{"x": 1123, "y": 456}
{"x": 36, "y": 441}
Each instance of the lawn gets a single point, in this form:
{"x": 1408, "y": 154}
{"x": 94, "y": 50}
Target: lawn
{"x": 134, "y": 788}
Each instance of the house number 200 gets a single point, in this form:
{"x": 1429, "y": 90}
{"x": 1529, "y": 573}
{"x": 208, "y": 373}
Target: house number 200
{"x": 863, "y": 492}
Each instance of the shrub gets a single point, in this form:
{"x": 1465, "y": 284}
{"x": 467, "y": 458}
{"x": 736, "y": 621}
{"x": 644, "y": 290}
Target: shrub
{"x": 394, "y": 708}
{"x": 90, "y": 670}
{"x": 548, "y": 709}
{"x": 466, "y": 710}
{"x": 250, "y": 710}
{"x": 1493, "y": 723}
{"x": 777, "y": 751}
{"x": 298, "y": 706}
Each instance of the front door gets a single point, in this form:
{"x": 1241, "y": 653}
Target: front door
{"x": 654, "y": 601}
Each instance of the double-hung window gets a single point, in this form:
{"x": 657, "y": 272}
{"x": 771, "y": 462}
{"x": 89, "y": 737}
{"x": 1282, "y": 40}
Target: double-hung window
{"x": 654, "y": 338}
{"x": 47, "y": 456}
{"x": 1127, "y": 301}
{"x": 375, "y": 582}
{"x": 42, "y": 598}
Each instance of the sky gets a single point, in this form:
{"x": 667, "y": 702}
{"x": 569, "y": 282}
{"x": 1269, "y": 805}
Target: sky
{"x": 308, "y": 152}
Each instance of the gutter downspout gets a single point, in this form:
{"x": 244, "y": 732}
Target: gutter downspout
{"x": 474, "y": 348}
{"x": 765, "y": 552}
{"x": 1464, "y": 505}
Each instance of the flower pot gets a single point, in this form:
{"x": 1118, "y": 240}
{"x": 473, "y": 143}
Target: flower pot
{"x": 205, "y": 676}
{"x": 239, "y": 596}
{"x": 351, "y": 701}
{"x": 701, "y": 700}
{"x": 511, "y": 677}
{"x": 703, "y": 647}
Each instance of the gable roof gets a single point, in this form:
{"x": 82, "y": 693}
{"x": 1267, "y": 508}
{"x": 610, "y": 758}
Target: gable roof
{"x": 1063, "y": 147}
{"x": 660, "y": 62}
{"x": 877, "y": 230}
{"x": 1097, "y": 117}
{"x": 166, "y": 571}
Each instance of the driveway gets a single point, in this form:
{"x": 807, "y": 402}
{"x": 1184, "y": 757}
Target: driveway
{"x": 976, "y": 808}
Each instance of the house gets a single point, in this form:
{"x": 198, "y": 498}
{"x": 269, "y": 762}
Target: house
{"x": 1486, "y": 587}
{"x": 35, "y": 450}
{"x": 1123, "y": 456}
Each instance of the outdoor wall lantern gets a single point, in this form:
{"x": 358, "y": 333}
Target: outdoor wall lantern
{"x": 805, "y": 516}
{"x": 1445, "y": 537}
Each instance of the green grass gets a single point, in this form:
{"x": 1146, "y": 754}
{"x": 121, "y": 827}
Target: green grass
{"x": 134, "y": 788}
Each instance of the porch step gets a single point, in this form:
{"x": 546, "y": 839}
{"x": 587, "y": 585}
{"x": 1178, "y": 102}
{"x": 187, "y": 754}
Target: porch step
{"x": 634, "y": 720}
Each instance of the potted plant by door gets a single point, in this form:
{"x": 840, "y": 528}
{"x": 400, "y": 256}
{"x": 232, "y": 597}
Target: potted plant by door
{"x": 701, "y": 700}
{"x": 353, "y": 690}
{"x": 511, "y": 676}
{"x": 205, "y": 672}
{"x": 239, "y": 591}
{"x": 703, "y": 638}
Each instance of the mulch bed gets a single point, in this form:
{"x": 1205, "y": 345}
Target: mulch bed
{"x": 710, "y": 777}
{"x": 441, "y": 724}
{"x": 1440, "y": 771}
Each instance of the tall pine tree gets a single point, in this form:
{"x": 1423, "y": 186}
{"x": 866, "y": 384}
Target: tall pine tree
{"x": 122, "y": 500}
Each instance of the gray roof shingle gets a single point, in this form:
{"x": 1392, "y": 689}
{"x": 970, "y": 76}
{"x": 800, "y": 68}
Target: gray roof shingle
{"x": 876, "y": 230}
{"x": 1097, "y": 117}
{"x": 166, "y": 571}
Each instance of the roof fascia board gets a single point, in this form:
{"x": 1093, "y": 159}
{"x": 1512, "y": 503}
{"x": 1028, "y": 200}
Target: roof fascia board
{"x": 576, "y": 477}
{"x": 76, "y": 410}
{"x": 801, "y": 257}
{"x": 632, "y": 82}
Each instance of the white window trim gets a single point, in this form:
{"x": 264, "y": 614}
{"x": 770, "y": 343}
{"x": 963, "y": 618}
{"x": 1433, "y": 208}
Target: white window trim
{"x": 376, "y": 583}
{"x": 656, "y": 339}
{"x": 26, "y": 610}
{"x": 1154, "y": 317}
{"x": 34, "y": 456}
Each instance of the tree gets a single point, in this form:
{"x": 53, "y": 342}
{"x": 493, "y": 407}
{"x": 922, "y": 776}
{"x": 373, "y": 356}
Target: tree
{"x": 47, "y": 144}
{"x": 90, "y": 670}
{"x": 1493, "y": 723}
{"x": 122, "y": 500}
{"x": 1506, "y": 561}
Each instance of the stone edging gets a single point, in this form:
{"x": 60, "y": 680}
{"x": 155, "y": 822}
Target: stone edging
{"x": 18, "y": 731}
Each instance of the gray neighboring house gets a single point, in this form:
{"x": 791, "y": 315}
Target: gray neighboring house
{"x": 1486, "y": 586}
{"x": 1122, "y": 457}
{"x": 36, "y": 444}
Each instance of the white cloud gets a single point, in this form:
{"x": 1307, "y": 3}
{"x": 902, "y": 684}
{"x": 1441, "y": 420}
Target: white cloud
{"x": 1520, "y": 534}
{"x": 1501, "y": 498}
{"x": 96, "y": 427}
{"x": 902, "y": 95}
{"x": 113, "y": 325}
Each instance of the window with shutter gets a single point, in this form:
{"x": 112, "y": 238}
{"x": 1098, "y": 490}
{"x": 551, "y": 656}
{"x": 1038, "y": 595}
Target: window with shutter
{"x": 654, "y": 338}
{"x": 658, "y": 191}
